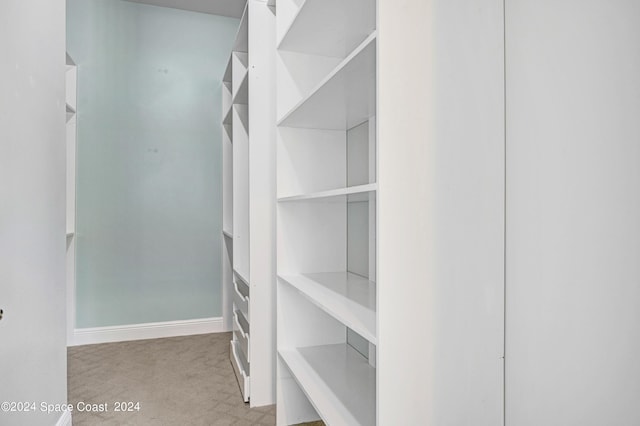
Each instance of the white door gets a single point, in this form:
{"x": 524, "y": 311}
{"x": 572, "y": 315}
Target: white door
{"x": 32, "y": 210}
{"x": 573, "y": 212}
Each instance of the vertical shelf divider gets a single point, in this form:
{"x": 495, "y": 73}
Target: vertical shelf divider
{"x": 249, "y": 202}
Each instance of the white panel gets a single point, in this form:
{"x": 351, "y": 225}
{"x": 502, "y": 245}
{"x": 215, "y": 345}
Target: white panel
{"x": 226, "y": 77}
{"x": 338, "y": 380}
{"x": 293, "y": 406}
{"x": 241, "y": 296}
{"x": 33, "y": 356}
{"x": 287, "y": 11}
{"x": 353, "y": 193}
{"x": 344, "y": 98}
{"x": 441, "y": 212}
{"x": 297, "y": 75}
{"x": 573, "y": 213}
{"x": 70, "y": 264}
{"x": 262, "y": 186}
{"x": 226, "y": 97}
{"x": 241, "y": 43}
{"x": 227, "y": 282}
{"x": 232, "y": 8}
{"x": 359, "y": 343}
{"x": 358, "y": 238}
{"x": 373, "y": 204}
{"x": 310, "y": 160}
{"x": 241, "y": 191}
{"x": 358, "y": 160}
{"x": 71, "y": 175}
{"x": 241, "y": 371}
{"x": 327, "y": 27}
{"x": 302, "y": 323}
{"x": 349, "y": 298}
{"x": 312, "y": 236}
{"x": 227, "y": 181}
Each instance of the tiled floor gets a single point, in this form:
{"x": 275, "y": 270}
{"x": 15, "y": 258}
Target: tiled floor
{"x": 176, "y": 381}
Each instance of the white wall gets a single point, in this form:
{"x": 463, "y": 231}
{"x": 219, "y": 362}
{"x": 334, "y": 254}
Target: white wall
{"x": 32, "y": 207}
{"x": 573, "y": 212}
{"x": 441, "y": 212}
{"x": 149, "y": 212}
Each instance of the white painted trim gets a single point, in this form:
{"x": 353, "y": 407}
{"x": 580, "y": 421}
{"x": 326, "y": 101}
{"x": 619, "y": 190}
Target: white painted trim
{"x": 152, "y": 330}
{"x": 65, "y": 419}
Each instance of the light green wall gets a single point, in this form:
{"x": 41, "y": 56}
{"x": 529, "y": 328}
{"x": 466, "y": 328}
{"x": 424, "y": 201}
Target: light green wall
{"x": 149, "y": 161}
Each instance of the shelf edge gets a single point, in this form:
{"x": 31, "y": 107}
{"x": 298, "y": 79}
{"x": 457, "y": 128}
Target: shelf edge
{"x": 351, "y": 190}
{"x": 341, "y": 66}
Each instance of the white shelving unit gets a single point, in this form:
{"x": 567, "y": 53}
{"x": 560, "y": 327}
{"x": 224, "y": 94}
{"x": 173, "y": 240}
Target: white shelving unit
{"x": 327, "y": 191}
{"x": 249, "y": 192}
{"x": 71, "y": 78}
{"x": 348, "y": 297}
{"x": 337, "y": 381}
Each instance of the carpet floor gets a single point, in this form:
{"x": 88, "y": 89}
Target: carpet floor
{"x": 176, "y": 381}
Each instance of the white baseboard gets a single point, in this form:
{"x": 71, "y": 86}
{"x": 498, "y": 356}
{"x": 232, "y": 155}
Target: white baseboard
{"x": 153, "y": 330}
{"x": 65, "y": 419}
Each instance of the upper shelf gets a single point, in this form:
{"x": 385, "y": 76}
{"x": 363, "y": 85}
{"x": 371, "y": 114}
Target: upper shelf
{"x": 326, "y": 27}
{"x": 345, "y": 98}
{"x": 349, "y": 298}
{"x": 241, "y": 43}
{"x": 350, "y": 190}
{"x": 339, "y": 381}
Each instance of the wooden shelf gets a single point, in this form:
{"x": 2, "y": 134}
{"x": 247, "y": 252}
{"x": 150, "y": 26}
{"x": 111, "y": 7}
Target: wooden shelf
{"x": 359, "y": 189}
{"x": 338, "y": 381}
{"x": 329, "y": 27}
{"x": 345, "y": 98}
{"x": 349, "y": 298}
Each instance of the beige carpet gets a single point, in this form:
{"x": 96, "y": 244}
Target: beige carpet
{"x": 177, "y": 381}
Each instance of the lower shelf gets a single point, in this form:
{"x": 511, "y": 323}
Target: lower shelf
{"x": 339, "y": 382}
{"x": 241, "y": 369}
{"x": 241, "y": 333}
